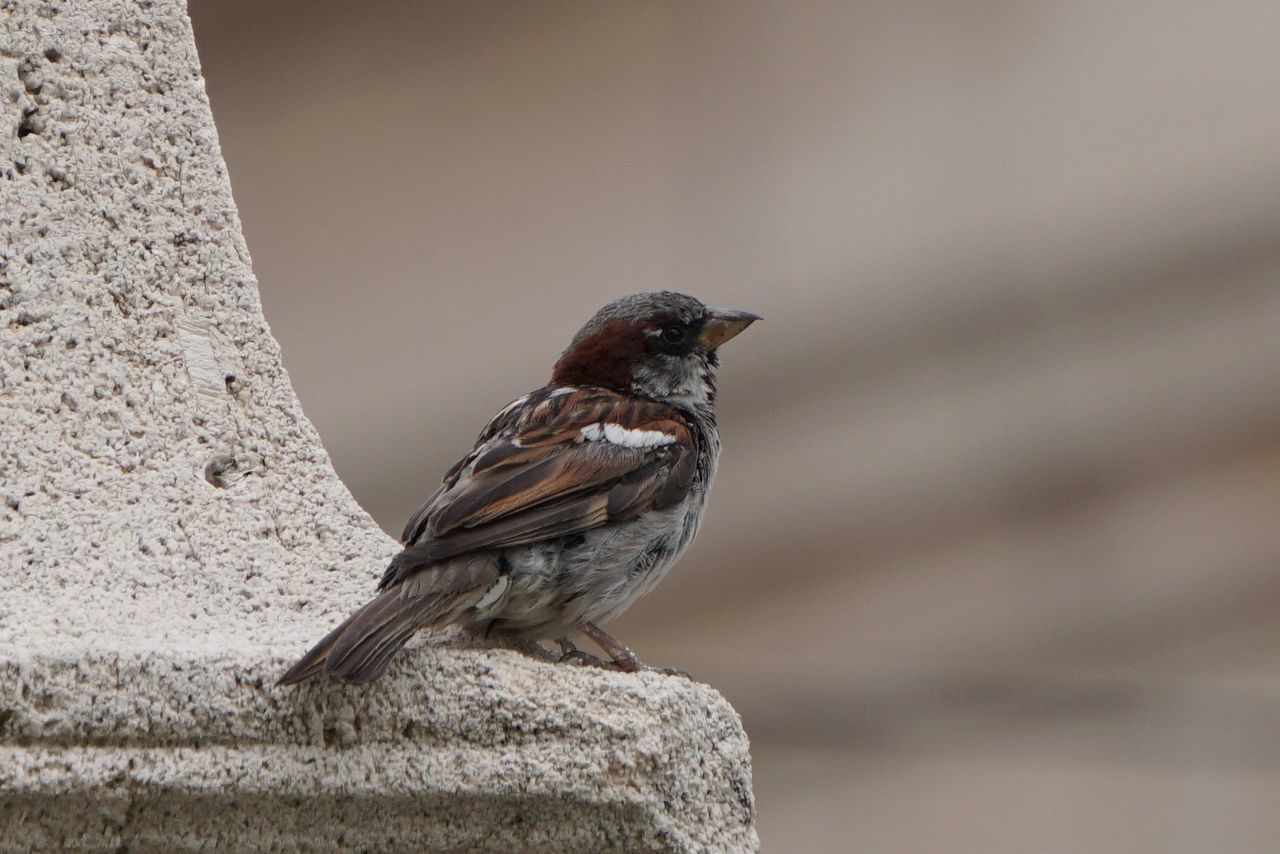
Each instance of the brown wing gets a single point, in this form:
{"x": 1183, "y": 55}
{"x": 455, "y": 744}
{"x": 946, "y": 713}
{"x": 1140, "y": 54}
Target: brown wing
{"x": 566, "y": 461}
{"x": 502, "y": 423}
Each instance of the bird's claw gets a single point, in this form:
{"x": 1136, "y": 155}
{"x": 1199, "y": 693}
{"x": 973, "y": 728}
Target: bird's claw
{"x": 582, "y": 658}
{"x": 566, "y": 646}
{"x": 623, "y": 659}
{"x": 577, "y": 656}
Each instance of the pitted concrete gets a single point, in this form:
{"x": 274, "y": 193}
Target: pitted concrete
{"x": 172, "y": 535}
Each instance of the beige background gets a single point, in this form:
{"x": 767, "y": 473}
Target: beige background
{"x": 993, "y": 563}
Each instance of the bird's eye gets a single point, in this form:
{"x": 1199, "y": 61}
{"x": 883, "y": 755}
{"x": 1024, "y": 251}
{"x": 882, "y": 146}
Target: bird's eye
{"x": 673, "y": 334}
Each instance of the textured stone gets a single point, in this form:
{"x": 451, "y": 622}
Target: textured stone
{"x": 172, "y": 534}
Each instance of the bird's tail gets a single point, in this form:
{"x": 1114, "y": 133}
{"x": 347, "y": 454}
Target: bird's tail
{"x": 360, "y": 649}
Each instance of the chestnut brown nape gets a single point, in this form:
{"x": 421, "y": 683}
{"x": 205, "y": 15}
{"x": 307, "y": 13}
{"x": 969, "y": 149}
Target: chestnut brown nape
{"x": 608, "y": 345}
{"x": 602, "y": 358}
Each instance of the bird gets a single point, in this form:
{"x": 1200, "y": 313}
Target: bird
{"x": 575, "y": 501}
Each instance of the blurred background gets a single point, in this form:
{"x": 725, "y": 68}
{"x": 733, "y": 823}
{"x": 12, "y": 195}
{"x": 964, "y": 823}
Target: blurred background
{"x": 993, "y": 561}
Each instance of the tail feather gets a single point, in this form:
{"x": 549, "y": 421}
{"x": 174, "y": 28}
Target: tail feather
{"x": 369, "y": 659}
{"x": 380, "y": 629}
{"x": 360, "y": 649}
{"x": 313, "y": 662}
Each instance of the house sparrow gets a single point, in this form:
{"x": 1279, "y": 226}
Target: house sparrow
{"x": 575, "y": 501}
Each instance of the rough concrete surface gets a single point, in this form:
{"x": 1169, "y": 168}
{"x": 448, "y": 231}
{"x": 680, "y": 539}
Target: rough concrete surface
{"x": 172, "y": 535}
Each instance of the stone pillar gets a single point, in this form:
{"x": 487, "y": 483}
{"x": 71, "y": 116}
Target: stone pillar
{"x": 172, "y": 534}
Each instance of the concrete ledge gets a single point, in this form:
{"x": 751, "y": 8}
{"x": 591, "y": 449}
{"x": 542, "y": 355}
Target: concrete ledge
{"x": 172, "y": 535}
{"x": 458, "y": 749}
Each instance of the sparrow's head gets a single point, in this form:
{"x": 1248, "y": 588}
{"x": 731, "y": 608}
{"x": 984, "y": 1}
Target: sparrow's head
{"x": 657, "y": 345}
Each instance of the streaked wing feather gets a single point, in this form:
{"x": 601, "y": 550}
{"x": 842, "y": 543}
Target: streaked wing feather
{"x": 417, "y": 522}
{"x": 557, "y": 519}
{"x": 565, "y": 470}
{"x": 634, "y": 492}
{"x": 536, "y": 477}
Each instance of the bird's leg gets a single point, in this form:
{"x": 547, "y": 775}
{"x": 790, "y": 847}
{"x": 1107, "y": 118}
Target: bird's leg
{"x": 623, "y": 658}
{"x": 566, "y": 646}
{"x": 569, "y": 652}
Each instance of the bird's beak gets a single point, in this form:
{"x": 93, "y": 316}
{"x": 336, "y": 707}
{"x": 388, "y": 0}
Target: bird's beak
{"x": 723, "y": 325}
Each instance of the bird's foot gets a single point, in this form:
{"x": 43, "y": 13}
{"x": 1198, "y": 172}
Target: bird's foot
{"x": 622, "y": 659}
{"x": 586, "y": 659}
{"x": 567, "y": 647}
{"x": 570, "y": 654}
{"x": 533, "y": 649}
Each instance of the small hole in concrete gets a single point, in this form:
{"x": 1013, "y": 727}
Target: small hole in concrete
{"x": 216, "y": 467}
{"x": 224, "y": 470}
{"x": 53, "y": 54}
{"x": 32, "y": 122}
